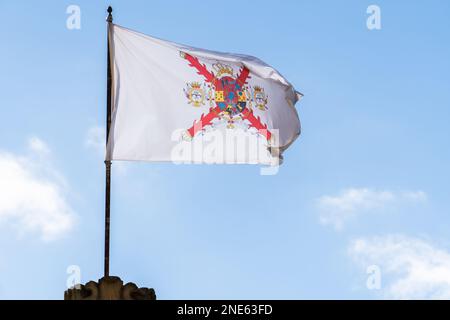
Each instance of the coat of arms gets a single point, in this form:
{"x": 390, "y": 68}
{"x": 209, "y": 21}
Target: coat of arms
{"x": 229, "y": 97}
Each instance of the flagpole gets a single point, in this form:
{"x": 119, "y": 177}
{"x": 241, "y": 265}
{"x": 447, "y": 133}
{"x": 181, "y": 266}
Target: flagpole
{"x": 109, "y": 19}
{"x": 108, "y": 287}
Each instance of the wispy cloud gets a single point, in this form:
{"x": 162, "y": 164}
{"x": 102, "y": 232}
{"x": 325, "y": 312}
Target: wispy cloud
{"x": 337, "y": 210}
{"x": 411, "y": 268}
{"x": 33, "y": 194}
{"x": 38, "y": 146}
{"x": 95, "y": 139}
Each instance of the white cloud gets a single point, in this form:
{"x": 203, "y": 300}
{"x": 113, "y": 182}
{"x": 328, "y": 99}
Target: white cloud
{"x": 32, "y": 197}
{"x": 95, "y": 139}
{"x": 411, "y": 268}
{"x": 338, "y": 210}
{"x": 38, "y": 146}
{"x": 418, "y": 196}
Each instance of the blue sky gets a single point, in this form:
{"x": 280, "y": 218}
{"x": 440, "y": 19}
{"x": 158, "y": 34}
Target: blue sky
{"x": 366, "y": 184}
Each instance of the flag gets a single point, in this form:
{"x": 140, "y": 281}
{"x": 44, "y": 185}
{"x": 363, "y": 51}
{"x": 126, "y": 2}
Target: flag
{"x": 172, "y": 102}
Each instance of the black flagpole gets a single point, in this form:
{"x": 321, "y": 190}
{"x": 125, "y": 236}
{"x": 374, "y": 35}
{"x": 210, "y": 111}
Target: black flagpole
{"x": 112, "y": 288}
{"x": 108, "y": 162}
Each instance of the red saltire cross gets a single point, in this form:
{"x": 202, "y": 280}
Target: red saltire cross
{"x": 218, "y": 84}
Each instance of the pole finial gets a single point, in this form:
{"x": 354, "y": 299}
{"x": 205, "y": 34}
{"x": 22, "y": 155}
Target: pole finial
{"x": 110, "y": 18}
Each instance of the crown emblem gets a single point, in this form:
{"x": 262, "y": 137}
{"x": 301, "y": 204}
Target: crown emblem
{"x": 258, "y": 89}
{"x": 196, "y": 85}
{"x": 260, "y": 98}
{"x": 221, "y": 69}
{"x": 195, "y": 93}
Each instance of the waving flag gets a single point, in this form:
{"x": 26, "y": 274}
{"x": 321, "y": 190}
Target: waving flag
{"x": 172, "y": 102}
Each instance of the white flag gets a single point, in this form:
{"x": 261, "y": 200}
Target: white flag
{"x": 172, "y": 102}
